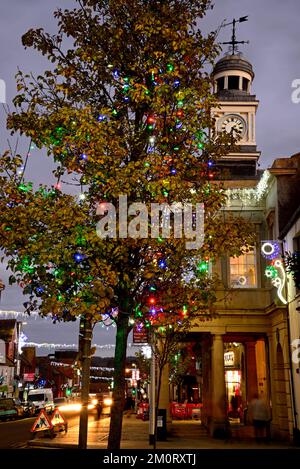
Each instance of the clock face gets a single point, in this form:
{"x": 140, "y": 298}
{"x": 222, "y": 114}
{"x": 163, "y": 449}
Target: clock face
{"x": 233, "y": 123}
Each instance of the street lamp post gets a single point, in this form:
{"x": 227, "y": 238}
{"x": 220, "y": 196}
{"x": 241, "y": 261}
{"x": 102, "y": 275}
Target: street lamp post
{"x": 152, "y": 400}
{"x": 135, "y": 381}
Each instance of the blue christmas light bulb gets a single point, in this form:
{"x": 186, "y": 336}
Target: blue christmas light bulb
{"x": 162, "y": 264}
{"x": 78, "y": 257}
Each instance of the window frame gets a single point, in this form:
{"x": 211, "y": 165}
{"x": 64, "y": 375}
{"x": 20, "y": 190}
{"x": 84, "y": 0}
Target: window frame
{"x": 256, "y": 272}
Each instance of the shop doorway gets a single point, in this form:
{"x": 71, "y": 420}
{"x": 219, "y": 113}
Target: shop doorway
{"x": 246, "y": 373}
{"x": 234, "y": 367}
{"x": 188, "y": 378}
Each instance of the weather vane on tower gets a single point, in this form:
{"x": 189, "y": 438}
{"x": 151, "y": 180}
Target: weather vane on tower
{"x": 233, "y": 43}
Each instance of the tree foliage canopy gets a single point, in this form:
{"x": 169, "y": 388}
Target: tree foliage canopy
{"x": 126, "y": 109}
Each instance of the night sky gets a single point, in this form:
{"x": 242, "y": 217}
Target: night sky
{"x": 274, "y": 51}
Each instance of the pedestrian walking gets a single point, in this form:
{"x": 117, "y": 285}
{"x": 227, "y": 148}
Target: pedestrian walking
{"x": 260, "y": 416}
{"x": 99, "y": 407}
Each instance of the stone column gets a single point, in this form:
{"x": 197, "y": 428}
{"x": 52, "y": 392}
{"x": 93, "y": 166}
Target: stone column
{"x": 218, "y": 385}
{"x": 164, "y": 395}
{"x": 241, "y": 83}
{"x": 251, "y": 370}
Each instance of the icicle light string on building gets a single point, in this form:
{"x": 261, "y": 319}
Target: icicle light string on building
{"x": 247, "y": 195}
{"x": 69, "y": 346}
{"x": 21, "y": 315}
{"x": 102, "y": 378}
{"x": 35, "y": 315}
{"x": 69, "y": 365}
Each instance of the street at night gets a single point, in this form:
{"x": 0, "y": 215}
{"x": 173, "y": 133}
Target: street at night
{"x": 15, "y": 433}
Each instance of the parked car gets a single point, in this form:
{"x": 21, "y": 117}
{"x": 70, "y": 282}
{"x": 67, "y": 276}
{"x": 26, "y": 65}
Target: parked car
{"x": 41, "y": 398}
{"x": 29, "y": 408}
{"x": 10, "y": 408}
{"x": 74, "y": 404}
{"x": 58, "y": 401}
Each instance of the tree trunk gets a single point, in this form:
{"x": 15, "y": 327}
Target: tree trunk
{"x": 86, "y": 337}
{"x": 115, "y": 431}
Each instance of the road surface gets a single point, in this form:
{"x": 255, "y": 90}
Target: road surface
{"x": 16, "y": 433}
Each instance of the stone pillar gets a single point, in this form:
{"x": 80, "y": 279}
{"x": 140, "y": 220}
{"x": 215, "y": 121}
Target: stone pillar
{"x": 251, "y": 370}
{"x": 218, "y": 385}
{"x": 240, "y": 83}
{"x": 164, "y": 395}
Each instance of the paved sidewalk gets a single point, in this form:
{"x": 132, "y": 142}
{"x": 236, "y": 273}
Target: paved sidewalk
{"x": 135, "y": 435}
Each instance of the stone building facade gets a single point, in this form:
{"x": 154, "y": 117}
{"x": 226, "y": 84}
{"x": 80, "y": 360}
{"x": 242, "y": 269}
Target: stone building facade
{"x": 245, "y": 349}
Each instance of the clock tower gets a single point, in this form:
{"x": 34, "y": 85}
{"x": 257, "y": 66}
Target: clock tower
{"x": 233, "y": 76}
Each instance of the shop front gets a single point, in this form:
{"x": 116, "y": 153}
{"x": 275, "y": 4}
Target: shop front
{"x": 234, "y": 379}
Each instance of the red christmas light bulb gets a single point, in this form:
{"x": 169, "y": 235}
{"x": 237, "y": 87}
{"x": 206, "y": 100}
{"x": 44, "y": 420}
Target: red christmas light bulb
{"x": 150, "y": 120}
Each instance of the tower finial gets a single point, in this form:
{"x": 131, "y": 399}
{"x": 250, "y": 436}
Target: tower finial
{"x": 233, "y": 43}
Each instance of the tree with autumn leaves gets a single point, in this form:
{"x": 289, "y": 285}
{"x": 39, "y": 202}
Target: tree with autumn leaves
{"x": 124, "y": 109}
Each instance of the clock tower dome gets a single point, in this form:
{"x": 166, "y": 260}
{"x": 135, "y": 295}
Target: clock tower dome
{"x": 233, "y": 76}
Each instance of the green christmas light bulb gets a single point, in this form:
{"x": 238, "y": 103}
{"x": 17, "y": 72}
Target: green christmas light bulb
{"x": 203, "y": 266}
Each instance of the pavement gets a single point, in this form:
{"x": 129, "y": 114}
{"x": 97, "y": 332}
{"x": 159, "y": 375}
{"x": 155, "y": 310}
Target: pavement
{"x": 135, "y": 435}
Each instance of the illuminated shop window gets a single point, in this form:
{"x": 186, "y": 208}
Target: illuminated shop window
{"x": 243, "y": 271}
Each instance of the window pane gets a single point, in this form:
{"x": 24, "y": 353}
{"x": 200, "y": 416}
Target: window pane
{"x": 243, "y": 271}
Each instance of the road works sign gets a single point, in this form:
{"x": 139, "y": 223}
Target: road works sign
{"x": 42, "y": 422}
{"x": 57, "y": 418}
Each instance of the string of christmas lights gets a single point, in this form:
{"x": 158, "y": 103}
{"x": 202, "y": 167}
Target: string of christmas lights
{"x": 7, "y": 314}
{"x": 70, "y": 365}
{"x": 249, "y": 195}
{"x": 70, "y": 346}
{"x": 102, "y": 378}
{"x": 21, "y": 315}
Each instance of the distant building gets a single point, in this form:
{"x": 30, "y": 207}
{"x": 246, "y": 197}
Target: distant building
{"x": 61, "y": 372}
{"x": 9, "y": 363}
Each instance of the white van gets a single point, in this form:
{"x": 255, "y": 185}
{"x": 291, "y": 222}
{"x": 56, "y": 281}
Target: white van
{"x": 41, "y": 399}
